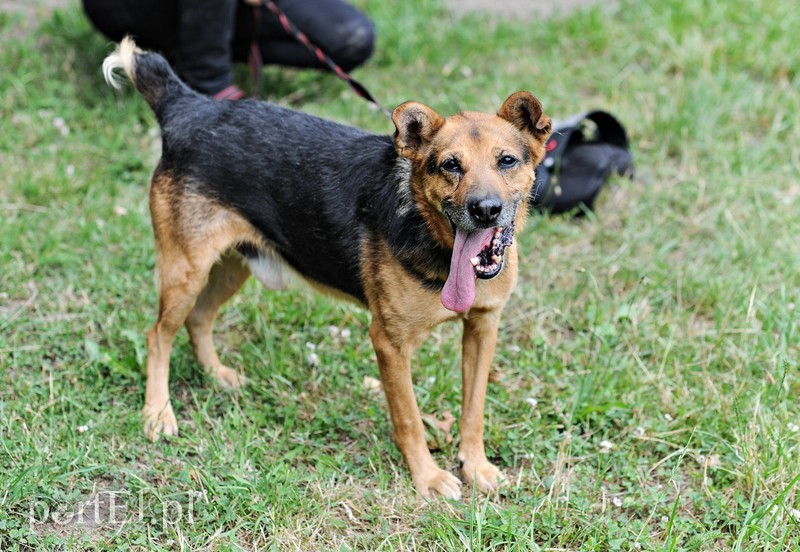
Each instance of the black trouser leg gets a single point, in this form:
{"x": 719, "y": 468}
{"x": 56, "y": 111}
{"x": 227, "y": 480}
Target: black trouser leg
{"x": 340, "y": 30}
{"x": 204, "y": 58}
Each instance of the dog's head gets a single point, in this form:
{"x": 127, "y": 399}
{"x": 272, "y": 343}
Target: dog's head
{"x": 471, "y": 175}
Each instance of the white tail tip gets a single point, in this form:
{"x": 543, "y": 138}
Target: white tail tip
{"x": 124, "y": 57}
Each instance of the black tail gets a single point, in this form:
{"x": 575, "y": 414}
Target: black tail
{"x": 149, "y": 72}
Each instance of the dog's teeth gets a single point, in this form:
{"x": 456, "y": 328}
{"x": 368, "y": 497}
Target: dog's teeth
{"x": 496, "y": 259}
{"x": 475, "y": 261}
{"x": 497, "y": 232}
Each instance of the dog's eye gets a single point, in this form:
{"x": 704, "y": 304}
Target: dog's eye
{"x": 451, "y": 165}
{"x": 507, "y": 161}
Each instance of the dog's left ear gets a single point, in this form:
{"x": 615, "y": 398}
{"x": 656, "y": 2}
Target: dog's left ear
{"x": 416, "y": 125}
{"x": 524, "y": 111}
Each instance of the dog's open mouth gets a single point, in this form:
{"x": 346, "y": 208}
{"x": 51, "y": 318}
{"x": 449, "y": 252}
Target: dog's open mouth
{"x": 489, "y": 262}
{"x": 477, "y": 254}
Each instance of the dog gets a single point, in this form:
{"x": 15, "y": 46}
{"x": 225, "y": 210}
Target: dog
{"x": 417, "y": 227}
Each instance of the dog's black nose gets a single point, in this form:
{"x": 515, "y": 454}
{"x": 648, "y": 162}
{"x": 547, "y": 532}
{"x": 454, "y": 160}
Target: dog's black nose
{"x": 485, "y": 210}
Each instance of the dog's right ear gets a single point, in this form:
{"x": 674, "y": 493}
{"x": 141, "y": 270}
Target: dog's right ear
{"x": 416, "y": 125}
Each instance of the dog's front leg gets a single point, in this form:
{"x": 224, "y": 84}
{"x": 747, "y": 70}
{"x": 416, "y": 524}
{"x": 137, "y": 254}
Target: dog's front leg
{"x": 394, "y": 362}
{"x": 480, "y": 336}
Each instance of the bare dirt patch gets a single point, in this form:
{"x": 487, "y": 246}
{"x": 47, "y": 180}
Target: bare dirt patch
{"x": 33, "y": 10}
{"x": 520, "y": 9}
{"x": 507, "y": 9}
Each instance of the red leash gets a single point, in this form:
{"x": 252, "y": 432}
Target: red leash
{"x": 255, "y": 62}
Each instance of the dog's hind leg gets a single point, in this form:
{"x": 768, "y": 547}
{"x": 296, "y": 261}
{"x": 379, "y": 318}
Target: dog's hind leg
{"x": 224, "y": 280}
{"x": 480, "y": 336}
{"x": 192, "y": 235}
{"x": 181, "y": 279}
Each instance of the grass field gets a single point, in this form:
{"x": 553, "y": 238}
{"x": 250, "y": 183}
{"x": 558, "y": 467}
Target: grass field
{"x": 646, "y": 386}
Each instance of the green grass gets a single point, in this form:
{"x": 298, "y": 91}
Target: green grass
{"x": 666, "y": 324}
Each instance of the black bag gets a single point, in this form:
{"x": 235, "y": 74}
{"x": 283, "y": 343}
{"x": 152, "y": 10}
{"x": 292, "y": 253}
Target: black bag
{"x": 581, "y": 154}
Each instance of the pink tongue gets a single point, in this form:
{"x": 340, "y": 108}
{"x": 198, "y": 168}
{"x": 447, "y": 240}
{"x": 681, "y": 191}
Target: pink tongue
{"x": 459, "y": 289}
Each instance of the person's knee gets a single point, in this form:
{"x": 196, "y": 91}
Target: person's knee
{"x": 356, "y": 43}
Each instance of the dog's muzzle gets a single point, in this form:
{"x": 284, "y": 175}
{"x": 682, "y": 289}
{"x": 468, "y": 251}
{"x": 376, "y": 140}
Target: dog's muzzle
{"x": 478, "y": 253}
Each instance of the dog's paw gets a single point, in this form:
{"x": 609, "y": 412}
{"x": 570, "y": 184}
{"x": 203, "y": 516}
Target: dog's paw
{"x": 438, "y": 482}
{"x": 159, "y": 421}
{"x": 483, "y": 475}
{"x": 228, "y": 378}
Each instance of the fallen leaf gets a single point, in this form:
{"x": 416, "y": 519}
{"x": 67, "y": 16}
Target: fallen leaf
{"x": 495, "y": 375}
{"x": 437, "y": 432}
{"x": 373, "y": 384}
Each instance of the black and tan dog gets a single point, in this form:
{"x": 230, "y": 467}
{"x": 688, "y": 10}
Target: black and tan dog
{"x": 417, "y": 228}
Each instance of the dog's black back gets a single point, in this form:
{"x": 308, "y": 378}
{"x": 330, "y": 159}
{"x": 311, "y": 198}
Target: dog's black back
{"x": 302, "y": 186}
{"x": 312, "y": 187}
